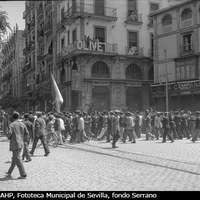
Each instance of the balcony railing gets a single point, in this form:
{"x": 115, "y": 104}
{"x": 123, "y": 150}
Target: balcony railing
{"x": 187, "y": 49}
{"x": 48, "y": 27}
{"x": 40, "y": 34}
{"x": 82, "y": 9}
{"x": 135, "y": 51}
{"x": 133, "y": 18}
{"x": 91, "y": 46}
{"x": 26, "y": 68}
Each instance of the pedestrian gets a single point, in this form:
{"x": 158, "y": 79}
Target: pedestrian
{"x": 16, "y": 134}
{"x": 166, "y": 127}
{"x": 29, "y": 126}
{"x": 40, "y": 134}
{"x": 104, "y": 126}
{"x": 116, "y": 129}
{"x": 197, "y": 127}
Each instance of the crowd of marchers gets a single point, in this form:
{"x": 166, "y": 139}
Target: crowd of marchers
{"x": 23, "y": 129}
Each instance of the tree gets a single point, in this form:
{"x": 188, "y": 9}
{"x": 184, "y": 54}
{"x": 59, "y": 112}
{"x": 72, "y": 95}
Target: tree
{"x": 4, "y": 24}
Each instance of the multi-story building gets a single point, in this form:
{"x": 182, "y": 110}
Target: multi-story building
{"x": 11, "y": 67}
{"x": 176, "y": 59}
{"x": 99, "y": 50}
{"x": 104, "y": 53}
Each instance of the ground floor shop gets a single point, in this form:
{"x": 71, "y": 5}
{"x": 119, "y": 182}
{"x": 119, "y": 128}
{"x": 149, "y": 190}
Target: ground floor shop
{"x": 181, "y": 95}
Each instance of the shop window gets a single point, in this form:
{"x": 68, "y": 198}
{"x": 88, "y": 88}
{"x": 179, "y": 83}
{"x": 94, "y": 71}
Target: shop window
{"x": 133, "y": 72}
{"x": 100, "y": 70}
{"x": 167, "y": 20}
{"x": 185, "y": 69}
{"x": 186, "y": 14}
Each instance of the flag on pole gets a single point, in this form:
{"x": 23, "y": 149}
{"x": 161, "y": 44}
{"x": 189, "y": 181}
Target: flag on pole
{"x": 57, "y": 97}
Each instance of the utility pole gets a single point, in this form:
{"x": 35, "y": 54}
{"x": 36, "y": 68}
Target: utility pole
{"x": 166, "y": 76}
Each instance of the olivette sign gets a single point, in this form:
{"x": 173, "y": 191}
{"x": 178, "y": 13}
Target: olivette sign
{"x": 82, "y": 45}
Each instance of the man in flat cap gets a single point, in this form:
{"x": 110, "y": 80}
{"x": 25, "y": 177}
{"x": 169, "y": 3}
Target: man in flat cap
{"x": 40, "y": 126}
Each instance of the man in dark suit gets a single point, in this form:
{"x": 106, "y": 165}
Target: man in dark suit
{"x": 40, "y": 126}
{"x": 29, "y": 126}
{"x": 16, "y": 134}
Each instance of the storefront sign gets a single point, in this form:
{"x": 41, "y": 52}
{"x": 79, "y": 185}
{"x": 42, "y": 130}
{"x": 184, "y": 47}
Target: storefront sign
{"x": 101, "y": 83}
{"x": 134, "y": 84}
{"x": 88, "y": 45}
{"x": 179, "y": 86}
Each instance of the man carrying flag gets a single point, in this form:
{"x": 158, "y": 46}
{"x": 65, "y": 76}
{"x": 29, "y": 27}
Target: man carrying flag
{"x": 57, "y": 97}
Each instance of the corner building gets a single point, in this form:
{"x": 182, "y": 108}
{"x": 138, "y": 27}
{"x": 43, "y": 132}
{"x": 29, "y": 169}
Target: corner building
{"x": 104, "y": 53}
{"x": 177, "y": 50}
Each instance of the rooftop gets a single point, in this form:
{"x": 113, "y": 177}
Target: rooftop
{"x": 170, "y": 7}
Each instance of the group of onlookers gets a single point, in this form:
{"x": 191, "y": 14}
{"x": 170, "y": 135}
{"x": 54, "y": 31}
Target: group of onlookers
{"x": 22, "y": 129}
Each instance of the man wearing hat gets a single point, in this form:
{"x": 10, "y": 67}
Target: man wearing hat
{"x": 197, "y": 127}
{"x": 16, "y": 134}
{"x": 39, "y": 130}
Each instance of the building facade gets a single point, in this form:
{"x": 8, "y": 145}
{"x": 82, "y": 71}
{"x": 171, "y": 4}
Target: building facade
{"x": 99, "y": 51}
{"x": 11, "y": 70}
{"x": 176, "y": 59}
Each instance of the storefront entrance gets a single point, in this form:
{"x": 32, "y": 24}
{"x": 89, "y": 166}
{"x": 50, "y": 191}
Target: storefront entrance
{"x": 133, "y": 99}
{"x": 102, "y": 98}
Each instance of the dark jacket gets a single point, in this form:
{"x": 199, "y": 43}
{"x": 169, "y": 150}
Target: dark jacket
{"x": 17, "y": 132}
{"x": 40, "y": 126}
{"x": 29, "y": 126}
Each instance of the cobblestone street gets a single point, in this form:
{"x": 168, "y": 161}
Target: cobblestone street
{"x": 94, "y": 165}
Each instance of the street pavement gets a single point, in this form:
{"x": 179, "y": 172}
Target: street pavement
{"x": 95, "y": 166}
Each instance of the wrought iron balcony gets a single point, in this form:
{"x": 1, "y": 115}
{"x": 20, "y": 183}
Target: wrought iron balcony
{"x": 26, "y": 68}
{"x": 133, "y": 18}
{"x": 85, "y": 10}
{"x": 135, "y": 51}
{"x": 48, "y": 27}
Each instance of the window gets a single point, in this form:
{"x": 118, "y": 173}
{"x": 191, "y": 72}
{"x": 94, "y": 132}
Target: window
{"x": 167, "y": 20}
{"x": 74, "y": 38}
{"x": 68, "y": 37}
{"x": 186, "y": 14}
{"x": 185, "y": 69}
{"x": 100, "y": 34}
{"x": 154, "y": 6}
{"x": 100, "y": 70}
{"x": 132, "y": 10}
{"x": 132, "y": 43}
{"x": 187, "y": 42}
{"x": 62, "y": 76}
{"x": 62, "y": 43}
{"x": 133, "y": 72}
{"x": 99, "y": 7}
{"x": 62, "y": 13}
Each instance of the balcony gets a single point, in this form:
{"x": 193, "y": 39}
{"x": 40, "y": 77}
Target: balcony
{"x": 47, "y": 5}
{"x": 133, "y": 18}
{"x": 186, "y": 50}
{"x": 89, "y": 10}
{"x": 135, "y": 51}
{"x": 26, "y": 68}
{"x": 40, "y": 34}
{"x": 90, "y": 47}
{"x": 32, "y": 24}
{"x": 48, "y": 27}
{"x": 150, "y": 22}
